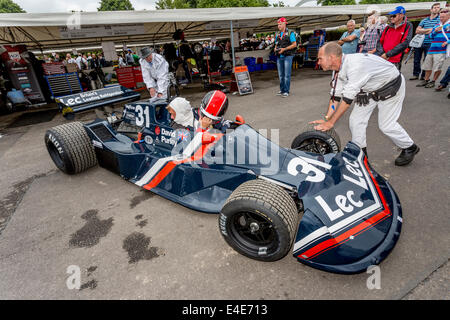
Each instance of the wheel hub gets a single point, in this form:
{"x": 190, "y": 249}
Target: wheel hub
{"x": 254, "y": 227}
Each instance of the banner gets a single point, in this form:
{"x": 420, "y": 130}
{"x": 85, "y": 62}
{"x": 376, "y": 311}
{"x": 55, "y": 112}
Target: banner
{"x": 89, "y": 31}
{"x": 237, "y": 24}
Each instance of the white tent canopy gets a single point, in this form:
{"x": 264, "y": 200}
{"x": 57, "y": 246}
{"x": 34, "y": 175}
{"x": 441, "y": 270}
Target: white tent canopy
{"x": 71, "y": 30}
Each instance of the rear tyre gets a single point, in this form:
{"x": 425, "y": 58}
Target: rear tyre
{"x": 259, "y": 220}
{"x": 316, "y": 141}
{"x": 70, "y": 148}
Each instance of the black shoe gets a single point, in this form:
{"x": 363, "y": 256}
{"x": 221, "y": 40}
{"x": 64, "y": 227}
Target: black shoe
{"x": 407, "y": 155}
{"x": 430, "y": 84}
{"x": 423, "y": 83}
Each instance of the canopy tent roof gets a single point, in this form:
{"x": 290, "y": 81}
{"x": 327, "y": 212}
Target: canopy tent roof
{"x": 62, "y": 30}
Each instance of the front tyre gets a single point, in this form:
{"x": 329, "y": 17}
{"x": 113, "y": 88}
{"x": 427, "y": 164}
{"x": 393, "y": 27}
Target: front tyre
{"x": 316, "y": 141}
{"x": 259, "y": 220}
{"x": 70, "y": 148}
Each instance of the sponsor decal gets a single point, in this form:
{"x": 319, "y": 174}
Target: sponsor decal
{"x": 333, "y": 145}
{"x": 56, "y": 143}
{"x": 262, "y": 251}
{"x": 354, "y": 216}
{"x": 148, "y": 140}
{"x": 222, "y": 224}
{"x": 97, "y": 144}
{"x": 91, "y": 96}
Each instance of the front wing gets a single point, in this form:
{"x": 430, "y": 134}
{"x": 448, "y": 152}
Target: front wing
{"x": 351, "y": 221}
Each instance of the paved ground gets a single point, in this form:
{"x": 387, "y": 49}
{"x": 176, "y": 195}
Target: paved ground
{"x": 130, "y": 244}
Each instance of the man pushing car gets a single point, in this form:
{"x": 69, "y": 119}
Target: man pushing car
{"x": 371, "y": 82}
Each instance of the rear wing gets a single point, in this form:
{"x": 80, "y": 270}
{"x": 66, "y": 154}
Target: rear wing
{"x": 95, "y": 99}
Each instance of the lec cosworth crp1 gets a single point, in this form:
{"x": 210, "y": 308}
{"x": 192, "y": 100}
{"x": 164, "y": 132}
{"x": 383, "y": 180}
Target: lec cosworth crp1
{"x": 331, "y": 207}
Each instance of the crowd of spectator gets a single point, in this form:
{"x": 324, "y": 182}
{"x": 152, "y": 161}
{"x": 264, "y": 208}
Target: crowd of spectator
{"x": 83, "y": 61}
{"x": 385, "y": 36}
{"x": 391, "y": 41}
{"x": 256, "y": 43}
{"x": 128, "y": 58}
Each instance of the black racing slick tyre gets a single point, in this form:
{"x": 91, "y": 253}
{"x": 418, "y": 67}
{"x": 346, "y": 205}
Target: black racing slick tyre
{"x": 316, "y": 141}
{"x": 259, "y": 220}
{"x": 70, "y": 148}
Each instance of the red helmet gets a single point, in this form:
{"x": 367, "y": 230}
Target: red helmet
{"x": 214, "y": 105}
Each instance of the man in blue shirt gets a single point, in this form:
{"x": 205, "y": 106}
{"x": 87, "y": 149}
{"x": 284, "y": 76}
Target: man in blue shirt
{"x": 440, "y": 36}
{"x": 285, "y": 45}
{"x": 425, "y": 26}
{"x": 349, "y": 40}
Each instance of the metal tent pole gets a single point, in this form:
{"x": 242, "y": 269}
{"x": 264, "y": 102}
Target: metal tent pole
{"x": 232, "y": 44}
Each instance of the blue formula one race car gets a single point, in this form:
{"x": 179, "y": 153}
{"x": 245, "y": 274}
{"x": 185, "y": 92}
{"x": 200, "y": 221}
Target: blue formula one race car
{"x": 334, "y": 211}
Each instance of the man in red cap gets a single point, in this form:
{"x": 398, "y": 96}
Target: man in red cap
{"x": 285, "y": 44}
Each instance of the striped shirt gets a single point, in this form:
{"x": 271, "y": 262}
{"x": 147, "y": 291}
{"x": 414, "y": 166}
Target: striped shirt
{"x": 438, "y": 39}
{"x": 428, "y": 23}
{"x": 371, "y": 36}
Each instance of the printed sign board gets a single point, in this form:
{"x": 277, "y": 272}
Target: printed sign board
{"x": 244, "y": 83}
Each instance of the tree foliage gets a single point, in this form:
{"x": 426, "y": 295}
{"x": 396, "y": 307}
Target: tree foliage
{"x": 231, "y": 3}
{"x": 335, "y": 2}
{"x": 115, "y": 5}
{"x": 279, "y": 4}
{"x": 172, "y": 4}
{"x": 349, "y": 2}
{"x": 180, "y": 4}
{"x": 9, "y": 6}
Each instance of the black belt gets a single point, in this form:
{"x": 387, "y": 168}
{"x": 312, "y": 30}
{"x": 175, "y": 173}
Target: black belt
{"x": 387, "y": 91}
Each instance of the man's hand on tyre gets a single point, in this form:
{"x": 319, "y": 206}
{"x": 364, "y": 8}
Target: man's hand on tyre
{"x": 323, "y": 125}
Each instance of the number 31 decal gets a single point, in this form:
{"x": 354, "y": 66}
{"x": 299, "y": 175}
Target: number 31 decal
{"x": 308, "y": 167}
{"x": 142, "y": 116}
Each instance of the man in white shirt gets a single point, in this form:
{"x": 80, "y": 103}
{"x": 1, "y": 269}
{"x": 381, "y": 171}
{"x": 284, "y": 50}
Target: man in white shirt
{"x": 155, "y": 71}
{"x": 69, "y": 59}
{"x": 79, "y": 61}
{"x": 372, "y": 82}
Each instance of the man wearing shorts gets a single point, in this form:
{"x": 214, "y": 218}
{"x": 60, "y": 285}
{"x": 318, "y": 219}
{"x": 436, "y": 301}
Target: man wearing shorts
{"x": 436, "y": 55}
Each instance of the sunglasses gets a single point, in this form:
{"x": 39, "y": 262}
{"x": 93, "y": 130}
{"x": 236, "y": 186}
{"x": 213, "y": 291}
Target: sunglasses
{"x": 444, "y": 11}
{"x": 393, "y": 16}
